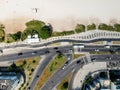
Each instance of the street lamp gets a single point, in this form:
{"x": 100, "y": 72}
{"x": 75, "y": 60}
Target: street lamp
{"x": 34, "y": 10}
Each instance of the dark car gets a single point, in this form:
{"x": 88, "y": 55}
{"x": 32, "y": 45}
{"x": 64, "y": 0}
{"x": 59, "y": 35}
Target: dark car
{"x": 58, "y": 51}
{"x": 1, "y": 51}
{"x": 37, "y": 76}
{"x": 108, "y": 58}
{"x": 66, "y": 63}
{"x": 20, "y": 53}
{"x": 55, "y": 48}
{"x": 47, "y": 52}
{"x": 28, "y": 88}
{"x": 78, "y": 61}
{"x": 93, "y": 59}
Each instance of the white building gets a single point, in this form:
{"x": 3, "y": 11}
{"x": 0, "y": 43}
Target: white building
{"x": 32, "y": 39}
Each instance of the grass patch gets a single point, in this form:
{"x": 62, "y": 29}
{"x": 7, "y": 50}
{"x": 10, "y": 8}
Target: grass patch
{"x": 63, "y": 33}
{"x": 100, "y": 42}
{"x": 55, "y": 44}
{"x": 116, "y": 42}
{"x": 53, "y": 66}
{"x": 75, "y": 56}
{"x": 64, "y": 84}
{"x": 29, "y": 66}
{"x": 100, "y": 53}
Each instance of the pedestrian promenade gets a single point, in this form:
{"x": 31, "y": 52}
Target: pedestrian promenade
{"x": 83, "y": 72}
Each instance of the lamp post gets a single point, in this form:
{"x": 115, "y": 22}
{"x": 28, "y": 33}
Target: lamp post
{"x": 34, "y": 11}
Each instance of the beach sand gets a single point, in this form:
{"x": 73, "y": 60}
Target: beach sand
{"x": 62, "y": 14}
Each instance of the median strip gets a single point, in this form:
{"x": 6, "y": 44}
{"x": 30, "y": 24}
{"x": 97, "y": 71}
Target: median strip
{"x": 53, "y": 66}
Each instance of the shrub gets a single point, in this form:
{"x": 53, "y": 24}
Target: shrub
{"x": 91, "y": 27}
{"x": 103, "y": 26}
{"x": 80, "y": 28}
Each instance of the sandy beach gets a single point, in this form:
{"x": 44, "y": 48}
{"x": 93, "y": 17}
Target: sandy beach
{"x": 62, "y": 14}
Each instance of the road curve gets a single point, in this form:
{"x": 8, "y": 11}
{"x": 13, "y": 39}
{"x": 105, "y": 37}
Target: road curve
{"x": 62, "y": 73}
{"x": 40, "y": 69}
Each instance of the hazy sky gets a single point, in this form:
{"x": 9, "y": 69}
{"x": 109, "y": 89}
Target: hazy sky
{"x": 60, "y": 9}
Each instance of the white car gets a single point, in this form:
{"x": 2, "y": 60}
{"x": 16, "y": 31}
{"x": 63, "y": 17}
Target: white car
{"x": 33, "y": 53}
{"x": 63, "y": 67}
{"x": 96, "y": 50}
{"x": 68, "y": 58}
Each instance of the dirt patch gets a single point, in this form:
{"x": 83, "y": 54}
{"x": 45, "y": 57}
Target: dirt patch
{"x": 15, "y": 24}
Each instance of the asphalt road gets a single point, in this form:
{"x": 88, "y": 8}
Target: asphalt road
{"x": 62, "y": 73}
{"x": 29, "y": 53}
{"x": 63, "y": 49}
{"x": 40, "y": 69}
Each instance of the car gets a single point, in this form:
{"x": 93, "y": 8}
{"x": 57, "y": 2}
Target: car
{"x": 78, "y": 61}
{"x": 66, "y": 63}
{"x": 47, "y": 52}
{"x": 96, "y": 50}
{"x": 63, "y": 67}
{"x": 28, "y": 88}
{"x": 107, "y": 46}
{"x": 1, "y": 51}
{"x": 20, "y": 53}
{"x": 55, "y": 48}
{"x": 58, "y": 52}
{"x": 68, "y": 58}
{"x": 112, "y": 50}
{"x": 37, "y": 76}
{"x": 70, "y": 50}
{"x": 108, "y": 58}
{"x": 93, "y": 59}
{"x": 34, "y": 52}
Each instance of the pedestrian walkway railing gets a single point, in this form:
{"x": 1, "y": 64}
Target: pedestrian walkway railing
{"x": 84, "y": 36}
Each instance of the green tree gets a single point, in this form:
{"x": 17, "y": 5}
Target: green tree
{"x": 23, "y": 36}
{"x": 34, "y": 61}
{"x": 91, "y": 27}
{"x": 32, "y": 69}
{"x": 2, "y": 33}
{"x": 35, "y": 23}
{"x": 117, "y": 27}
{"x": 37, "y": 27}
{"x": 12, "y": 67}
{"x": 103, "y": 26}
{"x": 65, "y": 86}
{"x": 80, "y": 28}
{"x": 45, "y": 32}
{"x": 16, "y": 36}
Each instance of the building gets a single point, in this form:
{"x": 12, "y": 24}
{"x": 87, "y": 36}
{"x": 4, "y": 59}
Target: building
{"x": 32, "y": 39}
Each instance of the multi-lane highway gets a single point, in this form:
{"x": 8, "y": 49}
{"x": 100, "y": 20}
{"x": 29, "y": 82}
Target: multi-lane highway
{"x": 62, "y": 73}
{"x": 63, "y": 49}
{"x": 31, "y": 53}
{"x": 40, "y": 69}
